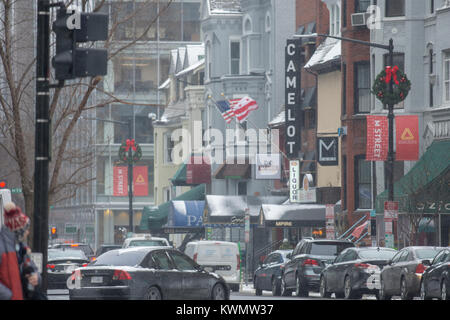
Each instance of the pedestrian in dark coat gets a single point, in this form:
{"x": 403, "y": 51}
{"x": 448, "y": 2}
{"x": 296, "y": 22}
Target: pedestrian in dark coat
{"x": 19, "y": 278}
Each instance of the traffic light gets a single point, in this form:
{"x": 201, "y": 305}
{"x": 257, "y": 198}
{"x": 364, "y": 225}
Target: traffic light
{"x": 54, "y": 233}
{"x": 72, "y": 28}
{"x": 3, "y": 184}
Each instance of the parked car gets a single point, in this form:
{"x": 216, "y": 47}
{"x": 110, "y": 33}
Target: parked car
{"x": 403, "y": 274}
{"x": 309, "y": 258}
{"x": 85, "y": 247}
{"x": 354, "y": 272}
{"x": 436, "y": 279}
{"x": 152, "y": 273}
{"x": 145, "y": 240}
{"x": 60, "y": 265}
{"x": 105, "y": 248}
{"x": 222, "y": 257}
{"x": 268, "y": 274}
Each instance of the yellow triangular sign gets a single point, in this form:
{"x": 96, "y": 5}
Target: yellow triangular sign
{"x": 407, "y": 135}
{"x": 140, "y": 179}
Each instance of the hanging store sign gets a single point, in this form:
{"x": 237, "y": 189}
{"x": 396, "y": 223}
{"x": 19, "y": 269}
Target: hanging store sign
{"x": 377, "y": 138}
{"x": 268, "y": 166}
{"x": 328, "y": 151}
{"x": 293, "y": 98}
{"x": 294, "y": 180}
{"x": 407, "y": 138}
{"x": 308, "y": 194}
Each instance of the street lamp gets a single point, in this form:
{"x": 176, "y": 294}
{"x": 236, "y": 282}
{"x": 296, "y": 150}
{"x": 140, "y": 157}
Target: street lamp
{"x": 128, "y": 123}
{"x": 390, "y": 48}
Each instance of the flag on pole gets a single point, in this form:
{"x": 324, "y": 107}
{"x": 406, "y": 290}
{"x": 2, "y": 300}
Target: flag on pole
{"x": 243, "y": 107}
{"x": 226, "y": 110}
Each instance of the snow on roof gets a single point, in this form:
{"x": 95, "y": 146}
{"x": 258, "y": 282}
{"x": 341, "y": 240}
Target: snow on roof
{"x": 194, "y": 53}
{"x": 328, "y": 51}
{"x": 191, "y": 68}
{"x": 174, "y": 111}
{"x": 225, "y": 6}
{"x": 219, "y": 205}
{"x": 278, "y": 120}
{"x": 165, "y": 84}
{"x": 294, "y": 211}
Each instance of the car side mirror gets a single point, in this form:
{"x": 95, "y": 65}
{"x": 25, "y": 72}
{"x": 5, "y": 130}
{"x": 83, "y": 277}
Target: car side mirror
{"x": 426, "y": 262}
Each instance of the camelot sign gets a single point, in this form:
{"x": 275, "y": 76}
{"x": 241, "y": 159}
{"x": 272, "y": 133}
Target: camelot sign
{"x": 293, "y": 97}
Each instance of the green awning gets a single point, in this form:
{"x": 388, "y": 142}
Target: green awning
{"x": 426, "y": 182}
{"x": 156, "y": 218}
{"x": 179, "y": 178}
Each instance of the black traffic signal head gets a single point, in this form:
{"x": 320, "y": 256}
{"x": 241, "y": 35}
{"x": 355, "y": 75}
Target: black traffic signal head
{"x": 71, "y": 28}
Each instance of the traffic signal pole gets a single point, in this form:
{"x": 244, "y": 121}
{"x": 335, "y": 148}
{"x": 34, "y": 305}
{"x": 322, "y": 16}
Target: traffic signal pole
{"x": 42, "y": 135}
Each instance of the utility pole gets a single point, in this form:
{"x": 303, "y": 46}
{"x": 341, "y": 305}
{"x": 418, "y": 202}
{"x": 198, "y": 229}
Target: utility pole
{"x": 42, "y": 136}
{"x": 130, "y": 177}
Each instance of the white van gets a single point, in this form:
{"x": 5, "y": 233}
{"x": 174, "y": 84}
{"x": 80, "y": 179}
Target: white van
{"x": 5, "y": 197}
{"x": 221, "y": 256}
{"x": 145, "y": 240}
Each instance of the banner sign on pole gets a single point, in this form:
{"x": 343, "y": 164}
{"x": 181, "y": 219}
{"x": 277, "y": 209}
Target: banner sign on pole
{"x": 407, "y": 137}
{"x": 294, "y": 183}
{"x": 377, "y": 138}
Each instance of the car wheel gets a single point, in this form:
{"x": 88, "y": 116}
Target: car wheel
{"x": 153, "y": 294}
{"x": 404, "y": 294}
{"x": 444, "y": 291}
{"x": 423, "y": 293}
{"x": 258, "y": 291}
{"x": 382, "y": 292}
{"x": 299, "y": 290}
{"x": 276, "y": 290}
{"x": 284, "y": 292}
{"x": 349, "y": 293}
{"x": 323, "y": 288}
{"x": 218, "y": 292}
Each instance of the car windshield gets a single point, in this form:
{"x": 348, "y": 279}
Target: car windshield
{"x": 328, "y": 248}
{"x": 377, "y": 254}
{"x": 66, "y": 254}
{"x": 147, "y": 243}
{"x": 427, "y": 253}
{"x": 120, "y": 258}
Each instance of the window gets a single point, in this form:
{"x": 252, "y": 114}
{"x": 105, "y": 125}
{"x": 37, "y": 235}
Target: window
{"x": 431, "y": 6}
{"x": 447, "y": 76}
{"x": 235, "y": 57}
{"x": 395, "y": 8}
{"x": 344, "y": 13}
{"x": 335, "y": 19}
{"x": 182, "y": 263}
{"x": 362, "y": 87}
{"x": 431, "y": 94}
{"x": 161, "y": 260}
{"x": 363, "y": 196}
{"x": 242, "y": 188}
{"x": 344, "y": 89}
{"x": 169, "y": 144}
{"x": 361, "y": 5}
{"x": 344, "y": 183}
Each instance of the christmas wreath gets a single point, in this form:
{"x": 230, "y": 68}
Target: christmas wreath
{"x": 125, "y": 147}
{"x": 401, "y": 86}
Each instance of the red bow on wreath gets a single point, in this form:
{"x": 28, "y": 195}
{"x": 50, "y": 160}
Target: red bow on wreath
{"x": 391, "y": 72}
{"x": 130, "y": 143}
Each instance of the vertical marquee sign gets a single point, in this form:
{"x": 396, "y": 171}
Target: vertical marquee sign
{"x": 293, "y": 96}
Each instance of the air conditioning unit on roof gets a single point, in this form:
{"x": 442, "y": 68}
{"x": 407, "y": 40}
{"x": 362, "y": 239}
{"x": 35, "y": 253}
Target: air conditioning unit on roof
{"x": 360, "y": 19}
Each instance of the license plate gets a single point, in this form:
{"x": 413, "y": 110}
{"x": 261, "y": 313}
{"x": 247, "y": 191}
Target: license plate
{"x": 96, "y": 279}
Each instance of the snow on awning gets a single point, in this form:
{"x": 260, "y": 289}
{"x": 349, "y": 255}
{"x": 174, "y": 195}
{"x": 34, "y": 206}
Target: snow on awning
{"x": 191, "y": 68}
{"x": 327, "y": 52}
{"x": 292, "y": 215}
{"x": 165, "y": 84}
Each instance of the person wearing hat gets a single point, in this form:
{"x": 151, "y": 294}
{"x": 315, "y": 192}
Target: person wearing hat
{"x": 285, "y": 245}
{"x": 19, "y": 278}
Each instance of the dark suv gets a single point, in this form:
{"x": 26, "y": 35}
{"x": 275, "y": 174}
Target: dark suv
{"x": 308, "y": 259}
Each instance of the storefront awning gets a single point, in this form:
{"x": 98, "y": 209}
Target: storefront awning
{"x": 196, "y": 170}
{"x": 292, "y": 215}
{"x": 426, "y": 185}
{"x": 234, "y": 171}
{"x": 231, "y": 209}
{"x": 156, "y": 218}
{"x": 185, "y": 216}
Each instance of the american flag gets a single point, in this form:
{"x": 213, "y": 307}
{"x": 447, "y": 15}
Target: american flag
{"x": 226, "y": 110}
{"x": 242, "y": 107}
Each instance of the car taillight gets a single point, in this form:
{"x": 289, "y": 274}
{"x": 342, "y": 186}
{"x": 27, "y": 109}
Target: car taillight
{"x": 420, "y": 268}
{"x": 310, "y": 262}
{"x": 50, "y": 266}
{"x": 195, "y": 257}
{"x": 84, "y": 265}
{"x": 362, "y": 265}
{"x": 121, "y": 275}
{"x": 238, "y": 262}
